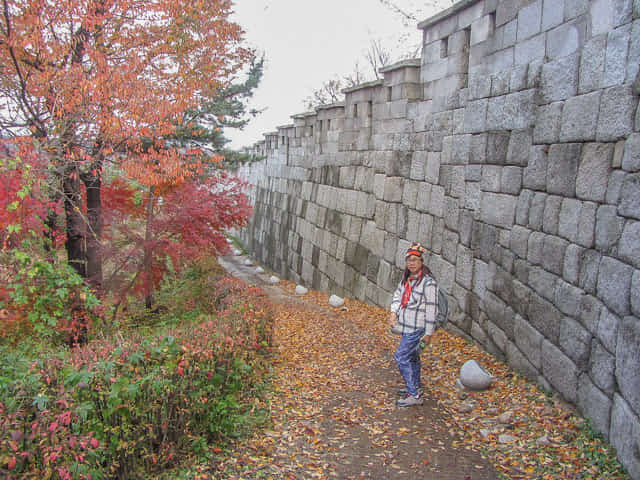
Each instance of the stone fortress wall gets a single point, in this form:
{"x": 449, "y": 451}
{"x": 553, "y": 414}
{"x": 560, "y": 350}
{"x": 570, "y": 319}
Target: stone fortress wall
{"x": 511, "y": 150}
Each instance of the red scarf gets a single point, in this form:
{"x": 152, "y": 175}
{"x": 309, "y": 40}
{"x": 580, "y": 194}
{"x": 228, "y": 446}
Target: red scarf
{"x": 407, "y": 290}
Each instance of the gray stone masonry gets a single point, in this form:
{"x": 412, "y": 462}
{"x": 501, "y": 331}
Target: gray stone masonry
{"x": 511, "y": 150}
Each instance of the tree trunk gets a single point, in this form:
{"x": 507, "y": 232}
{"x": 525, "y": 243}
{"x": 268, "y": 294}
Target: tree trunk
{"x": 147, "y": 262}
{"x": 93, "y": 183}
{"x": 75, "y": 244}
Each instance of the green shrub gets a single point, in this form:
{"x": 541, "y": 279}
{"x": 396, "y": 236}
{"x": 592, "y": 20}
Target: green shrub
{"x": 53, "y": 302}
{"x": 129, "y": 405}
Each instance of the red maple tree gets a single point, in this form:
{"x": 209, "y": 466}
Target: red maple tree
{"x": 99, "y": 84}
{"x": 148, "y": 224}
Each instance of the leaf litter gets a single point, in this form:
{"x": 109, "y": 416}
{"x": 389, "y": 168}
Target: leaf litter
{"x": 330, "y": 419}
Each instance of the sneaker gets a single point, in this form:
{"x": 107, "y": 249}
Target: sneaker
{"x": 409, "y": 401}
{"x": 403, "y": 392}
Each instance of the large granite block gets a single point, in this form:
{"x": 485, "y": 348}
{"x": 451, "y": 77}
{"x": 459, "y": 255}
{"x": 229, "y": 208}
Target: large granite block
{"x": 552, "y": 14}
{"x": 580, "y": 118}
{"x": 432, "y": 168}
{"x": 551, "y": 218}
{"x": 490, "y": 181}
{"x": 545, "y": 317}
{"x": 594, "y": 171}
{"x": 543, "y": 282}
{"x": 481, "y": 29}
{"x": 519, "y": 110}
{"x": 535, "y": 173}
{"x": 627, "y": 361}
{"x": 410, "y": 193}
{"x": 592, "y": 64}
{"x": 635, "y": 299}
{"x": 614, "y": 284}
{"x": 484, "y": 238}
{"x": 529, "y": 341}
{"x": 615, "y": 68}
{"x": 631, "y": 159}
{"x": 560, "y": 371}
{"x": 475, "y": 115}
{"x": 548, "y": 122}
{"x": 614, "y": 189}
{"x": 625, "y": 434}
{"x": 464, "y": 266}
{"x": 553, "y": 259}
{"x": 617, "y": 108}
{"x": 629, "y": 246}
{"x": 568, "y": 298}
{"x": 524, "y": 204}
{"x": 436, "y": 204}
{"x": 633, "y": 58}
{"x": 569, "y": 221}
{"x": 566, "y": 39}
{"x": 572, "y": 260}
{"x": 520, "y": 363}
{"x": 575, "y": 342}
{"x": 607, "y": 331}
{"x": 589, "y": 312}
{"x": 589, "y": 268}
{"x": 575, "y": 8}
{"x": 562, "y": 169}
{"x": 630, "y": 197}
{"x": 530, "y": 49}
{"x": 393, "y": 187}
{"x": 519, "y": 147}
{"x": 498, "y": 209}
{"x": 559, "y": 79}
{"x": 595, "y": 405}
{"x": 602, "y": 365}
{"x": 608, "y": 228}
{"x": 519, "y": 240}
{"x": 529, "y": 20}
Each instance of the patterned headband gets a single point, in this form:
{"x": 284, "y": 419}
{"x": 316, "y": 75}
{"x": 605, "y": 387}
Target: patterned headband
{"x": 415, "y": 249}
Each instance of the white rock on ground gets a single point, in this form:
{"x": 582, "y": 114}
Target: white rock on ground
{"x": 300, "y": 290}
{"x": 273, "y": 279}
{"x": 248, "y": 262}
{"x": 336, "y": 301}
{"x": 474, "y": 376}
{"x": 237, "y": 252}
{"x": 504, "y": 438}
{"x": 259, "y": 270}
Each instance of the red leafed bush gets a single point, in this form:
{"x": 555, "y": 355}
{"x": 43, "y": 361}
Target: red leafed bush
{"x": 25, "y": 195}
{"x": 184, "y": 222}
{"x": 135, "y": 404}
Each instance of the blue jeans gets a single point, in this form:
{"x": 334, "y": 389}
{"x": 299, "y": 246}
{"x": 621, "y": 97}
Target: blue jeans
{"x": 407, "y": 358}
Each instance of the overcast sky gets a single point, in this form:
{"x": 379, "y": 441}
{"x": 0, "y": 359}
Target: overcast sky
{"x": 307, "y": 42}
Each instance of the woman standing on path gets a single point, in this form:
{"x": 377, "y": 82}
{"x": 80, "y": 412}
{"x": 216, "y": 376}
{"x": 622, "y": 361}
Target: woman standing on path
{"x": 413, "y": 314}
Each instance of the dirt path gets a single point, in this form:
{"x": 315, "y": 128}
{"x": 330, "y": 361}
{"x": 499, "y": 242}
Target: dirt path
{"x": 334, "y": 409}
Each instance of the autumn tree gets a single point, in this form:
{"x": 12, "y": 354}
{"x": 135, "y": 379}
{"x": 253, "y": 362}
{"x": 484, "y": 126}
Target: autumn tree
{"x": 151, "y": 224}
{"x": 102, "y": 82}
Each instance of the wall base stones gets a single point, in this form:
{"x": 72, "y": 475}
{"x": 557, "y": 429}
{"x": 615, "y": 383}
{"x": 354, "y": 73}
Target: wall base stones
{"x": 511, "y": 151}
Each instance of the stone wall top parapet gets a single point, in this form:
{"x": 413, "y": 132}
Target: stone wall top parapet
{"x": 452, "y": 10}
{"x": 410, "y": 62}
{"x": 363, "y": 86}
{"x": 331, "y": 105}
{"x": 303, "y": 115}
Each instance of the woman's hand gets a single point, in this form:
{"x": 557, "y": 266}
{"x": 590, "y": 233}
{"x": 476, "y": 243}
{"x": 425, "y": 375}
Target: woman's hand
{"x": 393, "y": 318}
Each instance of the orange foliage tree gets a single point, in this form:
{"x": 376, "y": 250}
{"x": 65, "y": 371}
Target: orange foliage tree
{"x": 99, "y": 81}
